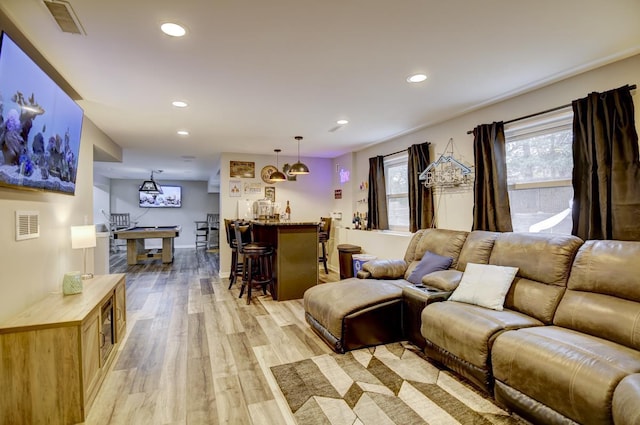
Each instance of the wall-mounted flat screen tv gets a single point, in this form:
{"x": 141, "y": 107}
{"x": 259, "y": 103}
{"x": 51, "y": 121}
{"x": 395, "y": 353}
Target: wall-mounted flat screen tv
{"x": 40, "y": 126}
{"x": 171, "y": 197}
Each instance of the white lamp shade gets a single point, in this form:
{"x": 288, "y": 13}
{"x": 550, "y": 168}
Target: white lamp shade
{"x": 83, "y": 236}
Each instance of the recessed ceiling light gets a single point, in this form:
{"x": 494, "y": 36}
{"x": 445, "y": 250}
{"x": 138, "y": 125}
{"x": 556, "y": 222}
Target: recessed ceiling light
{"x": 417, "y": 78}
{"x": 183, "y": 132}
{"x": 174, "y": 30}
{"x": 342, "y": 122}
{"x": 179, "y": 104}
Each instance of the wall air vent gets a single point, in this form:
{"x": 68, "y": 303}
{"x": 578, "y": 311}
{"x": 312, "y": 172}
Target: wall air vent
{"x": 64, "y": 15}
{"x": 27, "y": 225}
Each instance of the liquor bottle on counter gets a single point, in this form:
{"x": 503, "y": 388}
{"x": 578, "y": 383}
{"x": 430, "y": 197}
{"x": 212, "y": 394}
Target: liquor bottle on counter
{"x": 287, "y": 211}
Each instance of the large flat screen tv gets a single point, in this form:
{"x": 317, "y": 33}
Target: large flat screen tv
{"x": 40, "y": 126}
{"x": 171, "y": 197}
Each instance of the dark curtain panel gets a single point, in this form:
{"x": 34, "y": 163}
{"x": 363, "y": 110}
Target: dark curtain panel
{"x": 606, "y": 168}
{"x": 420, "y": 198}
{"x": 491, "y": 209}
{"x": 377, "y": 210}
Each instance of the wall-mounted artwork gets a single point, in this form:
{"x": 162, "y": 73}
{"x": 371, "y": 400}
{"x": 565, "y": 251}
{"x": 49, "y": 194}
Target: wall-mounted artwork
{"x": 242, "y": 169}
{"x": 252, "y": 188}
{"x": 270, "y": 193}
{"x": 285, "y": 170}
{"x": 344, "y": 175}
{"x": 235, "y": 190}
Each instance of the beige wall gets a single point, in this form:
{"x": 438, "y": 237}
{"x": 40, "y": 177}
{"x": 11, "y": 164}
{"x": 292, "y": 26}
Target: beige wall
{"x": 30, "y": 269}
{"x": 33, "y": 268}
{"x": 455, "y": 210}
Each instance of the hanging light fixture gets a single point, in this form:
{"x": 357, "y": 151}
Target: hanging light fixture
{"x": 299, "y": 167}
{"x": 277, "y": 176}
{"x": 150, "y": 186}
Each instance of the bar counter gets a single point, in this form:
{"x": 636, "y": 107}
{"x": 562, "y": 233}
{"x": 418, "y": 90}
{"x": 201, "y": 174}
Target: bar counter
{"x": 296, "y": 255}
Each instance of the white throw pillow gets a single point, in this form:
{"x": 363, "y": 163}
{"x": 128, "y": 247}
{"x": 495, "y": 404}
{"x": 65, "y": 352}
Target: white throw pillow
{"x": 484, "y": 285}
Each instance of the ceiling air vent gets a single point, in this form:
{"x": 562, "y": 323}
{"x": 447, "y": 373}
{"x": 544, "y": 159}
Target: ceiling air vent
{"x": 64, "y": 15}
{"x": 27, "y": 225}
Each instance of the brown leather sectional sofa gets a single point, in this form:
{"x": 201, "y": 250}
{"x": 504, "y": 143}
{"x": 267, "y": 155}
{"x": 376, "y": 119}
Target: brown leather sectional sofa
{"x": 566, "y": 347}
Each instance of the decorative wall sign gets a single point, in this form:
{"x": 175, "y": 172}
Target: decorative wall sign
{"x": 242, "y": 169}
{"x": 235, "y": 189}
{"x": 337, "y": 194}
{"x": 270, "y": 193}
{"x": 253, "y": 188}
{"x": 345, "y": 175}
{"x": 448, "y": 172}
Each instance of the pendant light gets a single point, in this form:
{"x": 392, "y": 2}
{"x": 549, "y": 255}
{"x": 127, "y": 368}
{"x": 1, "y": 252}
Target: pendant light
{"x": 277, "y": 176}
{"x": 150, "y": 186}
{"x": 299, "y": 167}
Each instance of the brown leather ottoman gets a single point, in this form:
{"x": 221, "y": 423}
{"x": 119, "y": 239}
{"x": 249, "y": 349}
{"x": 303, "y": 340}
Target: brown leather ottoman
{"x": 355, "y": 313}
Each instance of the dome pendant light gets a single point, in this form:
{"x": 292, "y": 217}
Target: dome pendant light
{"x": 277, "y": 176}
{"x": 299, "y": 167}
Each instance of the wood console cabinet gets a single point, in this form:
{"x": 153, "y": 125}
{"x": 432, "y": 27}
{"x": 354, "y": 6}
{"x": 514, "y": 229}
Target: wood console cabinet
{"x": 55, "y": 354}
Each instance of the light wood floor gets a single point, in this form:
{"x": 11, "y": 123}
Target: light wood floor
{"x": 197, "y": 354}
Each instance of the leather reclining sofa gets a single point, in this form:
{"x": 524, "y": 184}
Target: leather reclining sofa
{"x": 565, "y": 348}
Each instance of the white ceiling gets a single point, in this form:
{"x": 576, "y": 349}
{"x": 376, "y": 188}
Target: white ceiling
{"x": 257, "y": 73}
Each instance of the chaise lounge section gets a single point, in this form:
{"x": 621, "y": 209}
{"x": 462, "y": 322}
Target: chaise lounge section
{"x": 361, "y": 312}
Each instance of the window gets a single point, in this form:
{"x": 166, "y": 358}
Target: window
{"x": 539, "y": 167}
{"x": 396, "y": 175}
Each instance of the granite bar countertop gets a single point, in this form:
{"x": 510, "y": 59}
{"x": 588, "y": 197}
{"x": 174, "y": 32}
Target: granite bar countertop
{"x": 285, "y": 223}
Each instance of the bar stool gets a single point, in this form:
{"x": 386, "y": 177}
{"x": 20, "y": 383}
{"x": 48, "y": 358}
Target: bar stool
{"x": 324, "y": 232}
{"x": 257, "y": 269}
{"x": 237, "y": 231}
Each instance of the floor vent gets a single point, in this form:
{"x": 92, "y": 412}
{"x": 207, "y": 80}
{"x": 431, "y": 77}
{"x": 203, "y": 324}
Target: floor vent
{"x": 64, "y": 15}
{"x": 27, "y": 225}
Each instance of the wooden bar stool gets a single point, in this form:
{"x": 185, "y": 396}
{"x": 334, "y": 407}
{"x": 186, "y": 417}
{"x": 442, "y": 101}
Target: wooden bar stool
{"x": 237, "y": 231}
{"x": 324, "y": 232}
{"x": 258, "y": 268}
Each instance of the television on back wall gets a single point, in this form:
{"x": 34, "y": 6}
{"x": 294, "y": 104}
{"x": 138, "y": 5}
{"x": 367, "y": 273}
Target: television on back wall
{"x": 40, "y": 126}
{"x": 171, "y": 197}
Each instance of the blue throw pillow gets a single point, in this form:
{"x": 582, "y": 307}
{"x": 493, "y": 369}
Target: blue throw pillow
{"x": 429, "y": 263}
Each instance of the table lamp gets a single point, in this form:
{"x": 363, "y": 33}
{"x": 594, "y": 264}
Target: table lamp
{"x": 84, "y": 237}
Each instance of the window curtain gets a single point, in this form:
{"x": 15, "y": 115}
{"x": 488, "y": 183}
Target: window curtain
{"x": 420, "y": 197}
{"x": 606, "y": 168}
{"x": 377, "y": 209}
{"x": 491, "y": 209}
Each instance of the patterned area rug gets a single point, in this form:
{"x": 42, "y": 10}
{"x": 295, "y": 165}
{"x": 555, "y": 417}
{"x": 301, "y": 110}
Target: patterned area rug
{"x": 388, "y": 384}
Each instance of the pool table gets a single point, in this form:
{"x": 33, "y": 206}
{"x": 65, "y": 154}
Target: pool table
{"x": 135, "y": 237}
